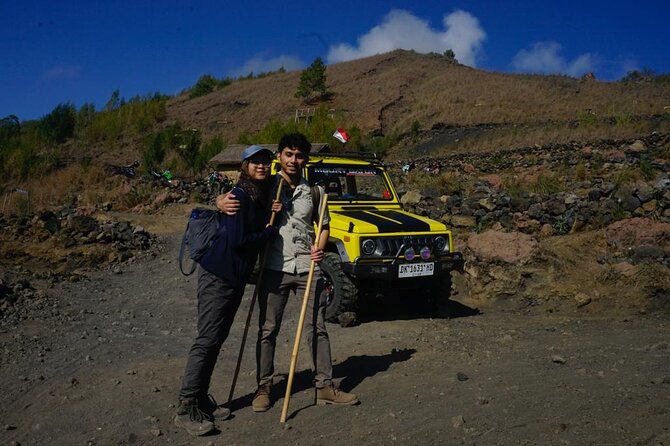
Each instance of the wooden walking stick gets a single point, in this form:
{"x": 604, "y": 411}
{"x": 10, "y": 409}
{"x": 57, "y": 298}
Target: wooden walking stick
{"x": 303, "y": 312}
{"x": 253, "y": 302}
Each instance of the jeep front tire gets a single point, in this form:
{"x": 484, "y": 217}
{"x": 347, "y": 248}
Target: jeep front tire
{"x": 340, "y": 293}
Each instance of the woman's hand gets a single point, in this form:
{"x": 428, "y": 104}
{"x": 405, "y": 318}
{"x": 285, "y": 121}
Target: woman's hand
{"x": 276, "y": 206}
{"x": 228, "y": 204}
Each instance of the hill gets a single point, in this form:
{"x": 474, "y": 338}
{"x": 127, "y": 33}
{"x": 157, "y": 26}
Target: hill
{"x": 401, "y": 104}
{"x": 389, "y": 93}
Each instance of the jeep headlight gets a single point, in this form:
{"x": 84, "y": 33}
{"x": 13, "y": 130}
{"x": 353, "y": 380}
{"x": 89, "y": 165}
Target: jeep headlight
{"x": 441, "y": 243}
{"x": 368, "y": 247}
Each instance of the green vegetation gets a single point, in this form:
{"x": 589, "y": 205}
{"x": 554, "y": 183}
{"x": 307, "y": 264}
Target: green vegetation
{"x": 644, "y": 75}
{"x": 179, "y": 149}
{"x": 320, "y": 128}
{"x": 58, "y": 126}
{"x": 312, "y": 82}
{"x": 587, "y": 118}
{"x": 188, "y": 147}
{"x": 647, "y": 170}
{"x": 548, "y": 183}
{"x": 207, "y": 84}
{"x": 207, "y": 151}
{"x": 120, "y": 119}
{"x": 38, "y": 147}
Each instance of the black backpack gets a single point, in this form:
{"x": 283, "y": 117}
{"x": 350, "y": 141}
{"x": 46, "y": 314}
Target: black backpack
{"x": 201, "y": 232}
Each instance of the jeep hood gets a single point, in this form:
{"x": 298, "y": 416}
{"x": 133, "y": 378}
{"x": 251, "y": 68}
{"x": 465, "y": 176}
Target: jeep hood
{"x": 381, "y": 221}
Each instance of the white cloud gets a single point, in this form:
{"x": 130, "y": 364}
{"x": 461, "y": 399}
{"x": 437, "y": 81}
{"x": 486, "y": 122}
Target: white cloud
{"x": 62, "y": 72}
{"x": 401, "y": 29}
{"x": 259, "y": 65}
{"x": 545, "y": 58}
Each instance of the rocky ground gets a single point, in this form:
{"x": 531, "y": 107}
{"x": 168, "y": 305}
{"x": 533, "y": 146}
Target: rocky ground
{"x": 100, "y": 363}
{"x": 557, "y": 333}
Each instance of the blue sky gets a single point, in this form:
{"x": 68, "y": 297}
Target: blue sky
{"x": 81, "y": 51}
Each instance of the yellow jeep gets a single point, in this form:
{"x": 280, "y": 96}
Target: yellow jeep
{"x": 374, "y": 245}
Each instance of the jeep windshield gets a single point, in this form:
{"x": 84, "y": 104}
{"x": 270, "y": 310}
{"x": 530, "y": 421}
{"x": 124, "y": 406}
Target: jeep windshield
{"x": 351, "y": 182}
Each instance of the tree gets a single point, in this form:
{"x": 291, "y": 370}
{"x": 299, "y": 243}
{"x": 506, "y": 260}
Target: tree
{"x": 639, "y": 76}
{"x": 154, "y": 154}
{"x": 450, "y": 55}
{"x": 10, "y": 127}
{"x": 205, "y": 85}
{"x": 188, "y": 147}
{"x": 59, "y": 125}
{"x": 312, "y": 81}
{"x": 114, "y": 102}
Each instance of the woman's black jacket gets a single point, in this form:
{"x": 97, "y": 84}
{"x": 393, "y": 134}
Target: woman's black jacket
{"x": 241, "y": 237}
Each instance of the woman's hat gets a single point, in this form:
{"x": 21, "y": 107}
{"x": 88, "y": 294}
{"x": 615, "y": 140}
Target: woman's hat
{"x": 252, "y": 150}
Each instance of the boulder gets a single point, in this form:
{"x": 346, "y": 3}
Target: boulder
{"x": 507, "y": 247}
{"x": 637, "y": 231}
{"x": 460, "y": 221}
{"x": 412, "y": 197}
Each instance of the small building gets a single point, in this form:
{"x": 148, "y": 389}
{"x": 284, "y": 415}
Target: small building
{"x": 228, "y": 160}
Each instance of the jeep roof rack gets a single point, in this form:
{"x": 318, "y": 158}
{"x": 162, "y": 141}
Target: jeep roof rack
{"x": 362, "y": 155}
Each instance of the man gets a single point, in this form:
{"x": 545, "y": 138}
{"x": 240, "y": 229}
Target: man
{"x": 286, "y": 270}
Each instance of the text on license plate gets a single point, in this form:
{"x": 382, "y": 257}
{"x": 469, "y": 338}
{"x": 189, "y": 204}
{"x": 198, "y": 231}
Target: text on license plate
{"x": 416, "y": 269}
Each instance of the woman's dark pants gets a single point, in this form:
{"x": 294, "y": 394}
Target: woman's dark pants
{"x": 217, "y": 305}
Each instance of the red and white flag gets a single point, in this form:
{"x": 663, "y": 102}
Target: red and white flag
{"x": 341, "y": 135}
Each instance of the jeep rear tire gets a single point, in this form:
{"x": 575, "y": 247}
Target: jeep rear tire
{"x": 340, "y": 293}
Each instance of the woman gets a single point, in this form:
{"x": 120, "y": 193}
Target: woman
{"x": 222, "y": 275}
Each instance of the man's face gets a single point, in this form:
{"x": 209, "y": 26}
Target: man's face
{"x": 292, "y": 160}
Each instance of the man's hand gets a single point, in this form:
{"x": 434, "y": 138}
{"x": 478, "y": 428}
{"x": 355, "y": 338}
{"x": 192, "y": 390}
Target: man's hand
{"x": 316, "y": 254}
{"x": 228, "y": 204}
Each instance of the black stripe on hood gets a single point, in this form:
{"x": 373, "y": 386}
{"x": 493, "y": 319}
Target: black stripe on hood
{"x": 405, "y": 222}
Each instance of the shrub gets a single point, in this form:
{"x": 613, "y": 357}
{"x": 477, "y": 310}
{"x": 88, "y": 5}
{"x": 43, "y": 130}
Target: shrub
{"x": 626, "y": 176}
{"x": 154, "y": 154}
{"x": 139, "y": 193}
{"x": 581, "y": 172}
{"x": 207, "y": 84}
{"x": 415, "y": 129}
{"x": 207, "y": 151}
{"x": 59, "y": 125}
{"x": 548, "y": 183}
{"x": 587, "y": 119}
{"x": 451, "y": 184}
{"x": 188, "y": 147}
{"x": 10, "y": 128}
{"x": 647, "y": 170}
{"x": 450, "y": 55}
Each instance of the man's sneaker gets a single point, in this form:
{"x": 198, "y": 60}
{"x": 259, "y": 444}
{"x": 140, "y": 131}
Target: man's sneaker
{"x": 214, "y": 412}
{"x": 261, "y": 401}
{"x": 190, "y": 417}
{"x": 332, "y": 395}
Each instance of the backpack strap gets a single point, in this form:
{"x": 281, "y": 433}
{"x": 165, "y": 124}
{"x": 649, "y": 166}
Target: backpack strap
{"x": 316, "y": 202}
{"x": 181, "y": 254}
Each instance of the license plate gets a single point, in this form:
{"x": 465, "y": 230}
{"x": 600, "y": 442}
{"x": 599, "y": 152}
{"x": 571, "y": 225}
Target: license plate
{"x": 416, "y": 269}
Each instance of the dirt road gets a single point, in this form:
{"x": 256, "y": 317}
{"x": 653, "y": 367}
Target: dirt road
{"x": 104, "y": 369}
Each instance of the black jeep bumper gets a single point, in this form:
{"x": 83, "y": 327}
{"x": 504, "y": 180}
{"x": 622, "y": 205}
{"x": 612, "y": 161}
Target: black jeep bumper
{"x": 389, "y": 270}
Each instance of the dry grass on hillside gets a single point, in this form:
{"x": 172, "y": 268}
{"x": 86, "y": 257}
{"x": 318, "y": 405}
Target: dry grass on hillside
{"x": 390, "y": 91}
{"x": 71, "y": 186}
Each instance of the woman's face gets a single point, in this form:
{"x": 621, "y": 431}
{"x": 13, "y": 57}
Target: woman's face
{"x": 259, "y": 166}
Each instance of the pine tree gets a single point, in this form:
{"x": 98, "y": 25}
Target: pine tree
{"x": 312, "y": 81}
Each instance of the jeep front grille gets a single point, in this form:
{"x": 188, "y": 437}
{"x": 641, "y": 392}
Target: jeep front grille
{"x": 389, "y": 246}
